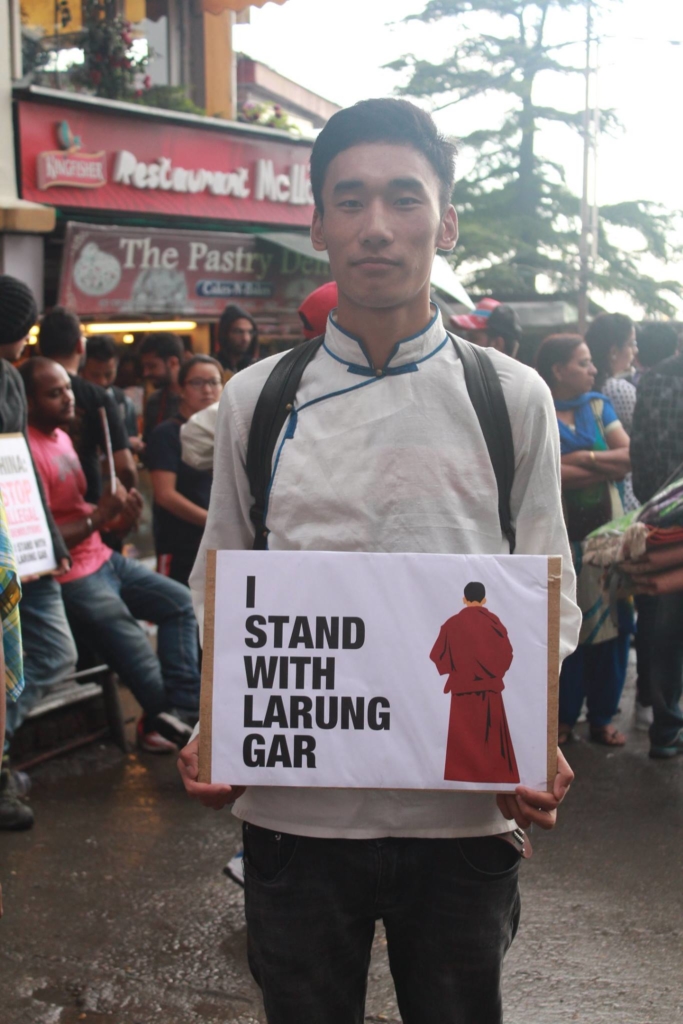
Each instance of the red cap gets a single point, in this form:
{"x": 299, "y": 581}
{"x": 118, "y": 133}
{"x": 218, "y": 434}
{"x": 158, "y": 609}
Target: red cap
{"x": 478, "y": 318}
{"x": 316, "y": 308}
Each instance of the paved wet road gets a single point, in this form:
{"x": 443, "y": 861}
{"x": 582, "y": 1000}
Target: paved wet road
{"x": 117, "y": 911}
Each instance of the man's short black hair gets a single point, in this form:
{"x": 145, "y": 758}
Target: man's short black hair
{"x": 475, "y": 592}
{"x": 504, "y": 323}
{"x": 28, "y": 371}
{"x": 60, "y": 333}
{"x": 656, "y": 342}
{"x": 101, "y": 348}
{"x": 164, "y": 344}
{"x": 396, "y": 122}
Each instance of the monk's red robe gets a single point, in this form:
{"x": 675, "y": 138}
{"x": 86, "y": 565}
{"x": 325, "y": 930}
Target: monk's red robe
{"x": 474, "y": 651}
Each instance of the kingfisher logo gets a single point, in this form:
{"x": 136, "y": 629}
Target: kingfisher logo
{"x": 68, "y": 167}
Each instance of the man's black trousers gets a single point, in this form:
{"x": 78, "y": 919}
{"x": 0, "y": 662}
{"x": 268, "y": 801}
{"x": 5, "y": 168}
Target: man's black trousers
{"x": 450, "y": 908}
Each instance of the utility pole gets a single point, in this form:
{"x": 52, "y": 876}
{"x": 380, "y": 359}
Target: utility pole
{"x": 584, "y": 251}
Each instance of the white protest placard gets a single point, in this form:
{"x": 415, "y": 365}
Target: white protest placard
{"x": 400, "y": 671}
{"x": 25, "y": 513}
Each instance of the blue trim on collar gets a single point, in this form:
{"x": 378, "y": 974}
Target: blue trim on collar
{"x": 361, "y": 345}
{"x": 392, "y": 371}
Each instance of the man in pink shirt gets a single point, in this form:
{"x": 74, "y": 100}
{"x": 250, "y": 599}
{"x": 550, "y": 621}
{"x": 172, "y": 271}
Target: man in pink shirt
{"x": 104, "y": 593}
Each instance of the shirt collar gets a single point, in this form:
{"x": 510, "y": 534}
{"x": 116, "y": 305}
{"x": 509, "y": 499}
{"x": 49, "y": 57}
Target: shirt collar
{"x": 404, "y": 357}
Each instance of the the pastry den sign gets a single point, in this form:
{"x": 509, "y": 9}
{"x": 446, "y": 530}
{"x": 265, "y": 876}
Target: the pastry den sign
{"x": 71, "y": 166}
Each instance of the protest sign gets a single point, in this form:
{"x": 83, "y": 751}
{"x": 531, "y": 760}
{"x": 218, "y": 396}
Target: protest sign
{"x": 400, "y": 671}
{"x": 25, "y": 514}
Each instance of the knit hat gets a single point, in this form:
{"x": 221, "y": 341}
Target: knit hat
{"x": 316, "y": 308}
{"x": 18, "y": 310}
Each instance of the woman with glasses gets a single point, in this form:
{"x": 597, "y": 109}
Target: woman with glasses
{"x": 181, "y": 493}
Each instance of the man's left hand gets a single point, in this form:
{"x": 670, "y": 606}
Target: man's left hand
{"x": 534, "y": 807}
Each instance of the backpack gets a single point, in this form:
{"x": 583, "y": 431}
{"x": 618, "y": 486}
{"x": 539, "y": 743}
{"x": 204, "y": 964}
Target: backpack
{"x": 276, "y": 402}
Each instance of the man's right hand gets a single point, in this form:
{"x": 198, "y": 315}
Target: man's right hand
{"x": 211, "y": 795}
{"x": 112, "y": 502}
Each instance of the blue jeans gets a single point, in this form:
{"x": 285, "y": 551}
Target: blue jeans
{"x": 666, "y": 670}
{"x": 108, "y": 604}
{"x": 450, "y": 909}
{"x": 49, "y": 649}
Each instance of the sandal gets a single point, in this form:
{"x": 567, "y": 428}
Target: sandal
{"x": 564, "y": 734}
{"x": 608, "y": 736}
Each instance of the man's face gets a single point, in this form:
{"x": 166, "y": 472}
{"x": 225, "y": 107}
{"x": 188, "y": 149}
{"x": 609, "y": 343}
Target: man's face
{"x": 161, "y": 372}
{"x": 100, "y": 372}
{"x": 382, "y": 223}
{"x": 52, "y": 402}
{"x": 240, "y": 336}
{"x": 14, "y": 351}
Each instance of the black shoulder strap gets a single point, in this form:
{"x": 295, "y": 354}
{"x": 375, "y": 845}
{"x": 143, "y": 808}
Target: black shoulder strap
{"x": 486, "y": 395}
{"x": 272, "y": 409}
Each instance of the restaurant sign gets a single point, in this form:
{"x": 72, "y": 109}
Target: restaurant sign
{"x": 122, "y": 161}
{"x": 115, "y": 271}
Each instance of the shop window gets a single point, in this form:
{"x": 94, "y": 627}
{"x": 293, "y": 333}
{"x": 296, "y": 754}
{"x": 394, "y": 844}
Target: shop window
{"x": 54, "y": 38}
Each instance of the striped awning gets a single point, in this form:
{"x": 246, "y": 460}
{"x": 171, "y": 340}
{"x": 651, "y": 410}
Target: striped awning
{"x": 218, "y": 6}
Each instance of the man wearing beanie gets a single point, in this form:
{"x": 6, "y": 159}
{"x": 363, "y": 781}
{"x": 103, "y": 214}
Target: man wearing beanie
{"x": 238, "y": 345}
{"x": 49, "y": 649}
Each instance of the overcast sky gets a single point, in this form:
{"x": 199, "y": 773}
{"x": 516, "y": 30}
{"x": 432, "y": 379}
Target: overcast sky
{"x": 337, "y": 49}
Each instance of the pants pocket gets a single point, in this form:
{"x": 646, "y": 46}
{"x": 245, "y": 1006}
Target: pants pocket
{"x": 489, "y": 856}
{"x": 266, "y": 853}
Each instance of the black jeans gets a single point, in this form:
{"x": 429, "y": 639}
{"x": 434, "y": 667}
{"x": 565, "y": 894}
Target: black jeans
{"x": 666, "y": 670}
{"x": 450, "y": 909}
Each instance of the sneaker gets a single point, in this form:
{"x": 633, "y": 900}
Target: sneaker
{"x": 152, "y": 742}
{"x": 643, "y": 717}
{"x": 665, "y": 753}
{"x": 172, "y": 727}
{"x": 15, "y": 816}
{"x": 234, "y": 869}
{"x": 186, "y": 716}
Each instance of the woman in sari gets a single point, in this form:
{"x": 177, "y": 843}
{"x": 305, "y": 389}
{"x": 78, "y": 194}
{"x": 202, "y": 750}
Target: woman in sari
{"x": 595, "y": 456}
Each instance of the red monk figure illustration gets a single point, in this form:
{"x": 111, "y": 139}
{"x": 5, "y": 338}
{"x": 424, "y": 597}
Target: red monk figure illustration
{"x": 474, "y": 651}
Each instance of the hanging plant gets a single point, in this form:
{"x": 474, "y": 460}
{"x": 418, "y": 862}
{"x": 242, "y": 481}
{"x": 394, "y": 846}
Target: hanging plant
{"x": 110, "y": 67}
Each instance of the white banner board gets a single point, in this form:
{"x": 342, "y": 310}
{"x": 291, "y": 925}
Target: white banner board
{"x": 25, "y": 514}
{"x": 400, "y": 671}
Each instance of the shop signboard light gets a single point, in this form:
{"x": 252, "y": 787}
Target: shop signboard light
{"x": 142, "y": 326}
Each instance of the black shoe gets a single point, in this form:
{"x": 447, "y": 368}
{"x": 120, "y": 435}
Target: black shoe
{"x": 172, "y": 728}
{"x": 15, "y": 816}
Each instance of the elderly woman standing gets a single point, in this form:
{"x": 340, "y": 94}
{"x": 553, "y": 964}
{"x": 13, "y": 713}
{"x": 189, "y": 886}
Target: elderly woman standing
{"x": 595, "y": 455}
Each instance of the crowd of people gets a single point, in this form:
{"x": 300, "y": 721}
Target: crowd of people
{"x": 603, "y": 385}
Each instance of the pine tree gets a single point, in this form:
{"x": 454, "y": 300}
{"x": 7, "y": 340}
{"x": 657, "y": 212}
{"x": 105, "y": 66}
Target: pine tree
{"x": 518, "y": 218}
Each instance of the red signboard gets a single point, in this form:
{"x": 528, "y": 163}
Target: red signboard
{"x": 137, "y": 271}
{"x": 110, "y": 160}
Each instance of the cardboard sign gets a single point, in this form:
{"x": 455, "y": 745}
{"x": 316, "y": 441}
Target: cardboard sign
{"x": 400, "y": 671}
{"x": 25, "y": 514}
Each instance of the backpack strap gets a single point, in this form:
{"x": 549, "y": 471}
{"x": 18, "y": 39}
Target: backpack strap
{"x": 274, "y": 405}
{"x": 486, "y": 395}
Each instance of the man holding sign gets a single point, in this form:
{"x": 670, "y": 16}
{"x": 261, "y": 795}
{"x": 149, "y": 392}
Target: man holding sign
{"x": 382, "y": 451}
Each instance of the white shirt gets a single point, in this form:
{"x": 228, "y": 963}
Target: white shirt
{"x": 390, "y": 462}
